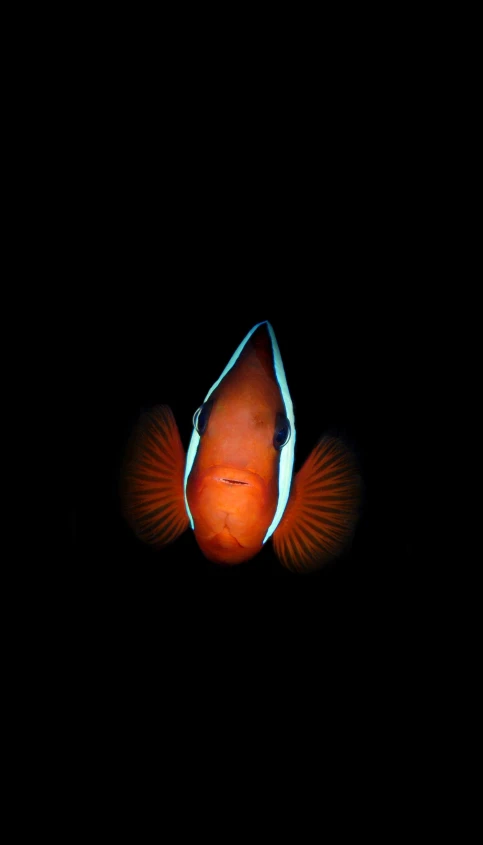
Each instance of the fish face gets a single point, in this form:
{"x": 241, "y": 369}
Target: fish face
{"x": 236, "y": 487}
{"x": 232, "y": 488}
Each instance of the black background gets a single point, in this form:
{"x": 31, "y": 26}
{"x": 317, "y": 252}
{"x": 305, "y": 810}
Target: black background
{"x": 189, "y": 230}
{"x": 347, "y": 367}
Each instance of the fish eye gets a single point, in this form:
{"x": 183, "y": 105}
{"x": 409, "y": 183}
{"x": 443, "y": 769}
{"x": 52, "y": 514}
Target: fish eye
{"x": 282, "y": 432}
{"x": 200, "y": 417}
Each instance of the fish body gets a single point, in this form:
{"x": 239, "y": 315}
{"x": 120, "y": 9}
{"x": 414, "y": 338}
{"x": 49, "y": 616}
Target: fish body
{"x": 236, "y": 487}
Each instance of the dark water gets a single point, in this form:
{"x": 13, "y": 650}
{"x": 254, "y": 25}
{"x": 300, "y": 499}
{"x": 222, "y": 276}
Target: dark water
{"x": 175, "y": 257}
{"x": 163, "y": 334}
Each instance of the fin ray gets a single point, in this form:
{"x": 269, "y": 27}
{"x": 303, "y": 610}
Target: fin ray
{"x": 152, "y": 494}
{"x": 322, "y": 510}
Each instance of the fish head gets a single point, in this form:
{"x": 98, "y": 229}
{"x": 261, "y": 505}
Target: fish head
{"x": 233, "y": 480}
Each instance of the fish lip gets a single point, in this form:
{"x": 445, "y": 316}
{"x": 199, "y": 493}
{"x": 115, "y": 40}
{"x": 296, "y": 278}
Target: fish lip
{"x": 221, "y": 534}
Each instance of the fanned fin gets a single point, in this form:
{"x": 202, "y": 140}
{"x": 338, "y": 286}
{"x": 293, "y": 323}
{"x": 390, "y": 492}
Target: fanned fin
{"x": 322, "y": 510}
{"x": 152, "y": 492}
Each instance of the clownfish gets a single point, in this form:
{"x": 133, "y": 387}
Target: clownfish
{"x": 236, "y": 485}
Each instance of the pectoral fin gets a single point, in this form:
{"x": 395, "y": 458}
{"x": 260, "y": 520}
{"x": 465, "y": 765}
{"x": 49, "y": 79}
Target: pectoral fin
{"x": 152, "y": 479}
{"x": 322, "y": 510}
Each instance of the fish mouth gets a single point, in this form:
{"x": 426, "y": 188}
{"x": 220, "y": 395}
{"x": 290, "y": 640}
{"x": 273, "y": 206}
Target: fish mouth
{"x": 226, "y": 540}
{"x": 230, "y": 508}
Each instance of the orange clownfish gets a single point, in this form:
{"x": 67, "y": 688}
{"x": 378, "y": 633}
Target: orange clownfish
{"x": 236, "y": 487}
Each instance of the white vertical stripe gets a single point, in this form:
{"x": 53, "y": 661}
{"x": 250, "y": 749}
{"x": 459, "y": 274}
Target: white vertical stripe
{"x": 287, "y": 453}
